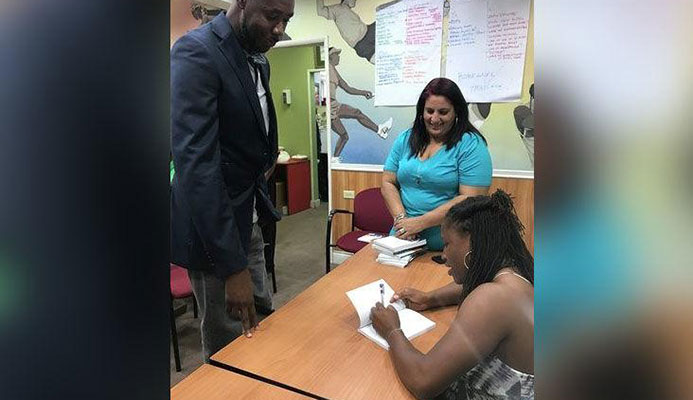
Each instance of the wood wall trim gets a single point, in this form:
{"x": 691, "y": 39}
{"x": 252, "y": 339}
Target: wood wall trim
{"x": 521, "y": 190}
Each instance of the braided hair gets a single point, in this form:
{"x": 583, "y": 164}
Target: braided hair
{"x": 495, "y": 235}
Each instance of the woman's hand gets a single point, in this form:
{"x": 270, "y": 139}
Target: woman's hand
{"x": 385, "y": 320}
{"x": 413, "y": 299}
{"x": 408, "y": 228}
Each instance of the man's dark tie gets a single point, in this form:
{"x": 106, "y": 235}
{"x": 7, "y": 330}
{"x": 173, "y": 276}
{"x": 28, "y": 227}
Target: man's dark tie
{"x": 257, "y": 61}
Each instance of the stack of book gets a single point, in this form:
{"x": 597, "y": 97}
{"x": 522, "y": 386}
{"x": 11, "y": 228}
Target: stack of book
{"x": 398, "y": 252}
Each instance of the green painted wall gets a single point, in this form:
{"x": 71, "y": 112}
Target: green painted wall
{"x": 296, "y": 125}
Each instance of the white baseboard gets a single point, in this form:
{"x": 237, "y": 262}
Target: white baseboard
{"x": 339, "y": 256}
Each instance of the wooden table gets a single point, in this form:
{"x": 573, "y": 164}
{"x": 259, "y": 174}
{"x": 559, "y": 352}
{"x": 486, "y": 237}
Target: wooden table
{"x": 312, "y": 343}
{"x": 212, "y": 383}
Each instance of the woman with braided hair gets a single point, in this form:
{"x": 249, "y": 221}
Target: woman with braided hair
{"x": 488, "y": 352}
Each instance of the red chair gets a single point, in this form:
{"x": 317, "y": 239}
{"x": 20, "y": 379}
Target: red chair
{"x": 370, "y": 215}
{"x": 180, "y": 289}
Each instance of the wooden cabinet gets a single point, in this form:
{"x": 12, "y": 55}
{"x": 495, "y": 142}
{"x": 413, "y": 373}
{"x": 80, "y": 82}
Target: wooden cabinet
{"x": 296, "y": 175}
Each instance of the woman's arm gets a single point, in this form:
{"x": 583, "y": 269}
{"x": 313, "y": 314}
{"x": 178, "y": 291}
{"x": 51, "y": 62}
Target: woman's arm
{"x": 390, "y": 192}
{"x": 415, "y": 299}
{"x": 480, "y": 325}
{"x": 435, "y": 217}
{"x": 450, "y": 294}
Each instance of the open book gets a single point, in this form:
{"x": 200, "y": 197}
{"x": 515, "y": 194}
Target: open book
{"x": 364, "y": 298}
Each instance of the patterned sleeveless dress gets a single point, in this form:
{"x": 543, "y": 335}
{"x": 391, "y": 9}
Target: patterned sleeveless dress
{"x": 491, "y": 379}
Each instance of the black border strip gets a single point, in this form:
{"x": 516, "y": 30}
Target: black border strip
{"x": 263, "y": 379}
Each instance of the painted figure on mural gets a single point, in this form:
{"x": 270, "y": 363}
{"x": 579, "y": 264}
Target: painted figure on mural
{"x": 524, "y": 119}
{"x": 478, "y": 112}
{"x": 204, "y": 14}
{"x": 338, "y": 111}
{"x": 354, "y": 31}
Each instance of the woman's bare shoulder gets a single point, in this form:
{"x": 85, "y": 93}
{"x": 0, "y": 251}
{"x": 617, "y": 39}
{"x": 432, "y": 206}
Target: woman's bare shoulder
{"x": 494, "y": 299}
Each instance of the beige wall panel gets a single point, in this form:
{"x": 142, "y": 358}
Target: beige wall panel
{"x": 522, "y": 191}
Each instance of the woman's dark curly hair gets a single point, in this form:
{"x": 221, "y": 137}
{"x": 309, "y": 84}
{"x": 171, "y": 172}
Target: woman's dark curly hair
{"x": 495, "y": 238}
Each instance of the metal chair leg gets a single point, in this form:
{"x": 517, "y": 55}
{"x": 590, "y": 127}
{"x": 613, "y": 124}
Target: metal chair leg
{"x": 328, "y": 235}
{"x": 174, "y": 339}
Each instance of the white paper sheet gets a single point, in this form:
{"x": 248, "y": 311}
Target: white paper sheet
{"x": 487, "y": 42}
{"x": 407, "y": 50}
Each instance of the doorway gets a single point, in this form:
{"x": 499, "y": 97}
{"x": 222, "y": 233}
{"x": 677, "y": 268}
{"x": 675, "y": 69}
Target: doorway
{"x": 297, "y": 84}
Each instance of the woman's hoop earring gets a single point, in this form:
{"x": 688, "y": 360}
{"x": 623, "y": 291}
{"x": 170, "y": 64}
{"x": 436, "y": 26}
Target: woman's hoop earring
{"x": 465, "y": 259}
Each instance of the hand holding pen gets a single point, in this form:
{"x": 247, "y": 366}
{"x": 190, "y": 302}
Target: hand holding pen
{"x": 382, "y": 293}
{"x": 385, "y": 320}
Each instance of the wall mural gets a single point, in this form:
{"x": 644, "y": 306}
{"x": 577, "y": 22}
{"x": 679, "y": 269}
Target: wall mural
{"x": 524, "y": 119}
{"x": 339, "y": 111}
{"x": 356, "y": 33}
{"x": 363, "y": 133}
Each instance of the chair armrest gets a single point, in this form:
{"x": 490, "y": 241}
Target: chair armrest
{"x": 338, "y": 211}
{"x": 329, "y": 222}
{"x": 328, "y": 236}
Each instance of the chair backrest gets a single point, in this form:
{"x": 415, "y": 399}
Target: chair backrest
{"x": 370, "y": 212}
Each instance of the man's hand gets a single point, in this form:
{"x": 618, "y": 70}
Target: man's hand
{"x": 413, "y": 299}
{"x": 240, "y": 302}
{"x": 367, "y": 94}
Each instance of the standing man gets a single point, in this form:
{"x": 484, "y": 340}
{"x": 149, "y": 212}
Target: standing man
{"x": 224, "y": 141}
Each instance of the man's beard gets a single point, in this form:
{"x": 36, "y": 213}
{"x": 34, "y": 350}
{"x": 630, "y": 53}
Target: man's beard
{"x": 244, "y": 35}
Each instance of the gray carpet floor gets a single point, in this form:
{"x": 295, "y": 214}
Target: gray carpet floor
{"x": 299, "y": 260}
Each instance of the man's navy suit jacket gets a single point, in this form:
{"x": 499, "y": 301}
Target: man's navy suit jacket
{"x": 220, "y": 150}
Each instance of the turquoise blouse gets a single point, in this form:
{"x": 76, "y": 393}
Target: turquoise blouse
{"x": 425, "y": 185}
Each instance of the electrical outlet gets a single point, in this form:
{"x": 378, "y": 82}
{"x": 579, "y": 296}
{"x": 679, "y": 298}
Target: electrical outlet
{"x": 349, "y": 194}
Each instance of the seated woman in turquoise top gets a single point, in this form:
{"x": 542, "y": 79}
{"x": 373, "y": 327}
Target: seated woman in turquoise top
{"x": 436, "y": 164}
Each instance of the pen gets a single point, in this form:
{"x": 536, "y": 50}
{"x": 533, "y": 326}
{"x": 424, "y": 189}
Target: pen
{"x": 382, "y": 294}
